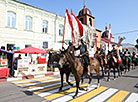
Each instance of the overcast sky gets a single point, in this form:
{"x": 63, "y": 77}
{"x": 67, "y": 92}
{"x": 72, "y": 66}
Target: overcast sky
{"x": 121, "y": 14}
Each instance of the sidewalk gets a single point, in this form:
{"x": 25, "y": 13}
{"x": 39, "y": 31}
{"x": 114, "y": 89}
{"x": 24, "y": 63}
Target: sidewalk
{"x": 27, "y": 77}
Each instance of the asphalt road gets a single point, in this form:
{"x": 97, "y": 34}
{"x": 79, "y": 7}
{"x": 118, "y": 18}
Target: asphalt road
{"x": 11, "y": 93}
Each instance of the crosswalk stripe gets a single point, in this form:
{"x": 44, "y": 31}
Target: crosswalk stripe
{"x": 57, "y": 95}
{"x": 119, "y": 96}
{"x": 89, "y": 95}
{"x": 47, "y": 93}
{"x": 68, "y": 97}
{"x": 31, "y": 80}
{"x": 132, "y": 98}
{"x": 103, "y": 96}
{"x": 51, "y": 88}
{"x": 43, "y": 84}
{"x": 34, "y": 82}
{"x": 20, "y": 81}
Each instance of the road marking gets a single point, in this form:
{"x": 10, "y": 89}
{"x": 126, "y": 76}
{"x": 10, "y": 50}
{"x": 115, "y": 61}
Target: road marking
{"x": 40, "y": 82}
{"x": 132, "y": 98}
{"x": 43, "y": 84}
{"x": 34, "y": 82}
{"x": 51, "y": 88}
{"x": 20, "y": 81}
{"x": 60, "y": 94}
{"x": 68, "y": 97}
{"x": 103, "y": 96}
{"x": 47, "y": 93}
{"x": 119, "y": 96}
{"x": 89, "y": 95}
{"x": 46, "y": 86}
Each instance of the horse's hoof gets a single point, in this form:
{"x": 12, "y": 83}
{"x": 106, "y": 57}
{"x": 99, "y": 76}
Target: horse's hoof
{"x": 114, "y": 79}
{"x": 87, "y": 89}
{"x": 71, "y": 85}
{"x": 74, "y": 96}
{"x": 98, "y": 85}
{"x": 108, "y": 79}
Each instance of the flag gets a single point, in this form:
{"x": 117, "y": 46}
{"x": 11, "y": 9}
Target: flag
{"x": 77, "y": 25}
{"x": 109, "y": 36}
{"x": 68, "y": 28}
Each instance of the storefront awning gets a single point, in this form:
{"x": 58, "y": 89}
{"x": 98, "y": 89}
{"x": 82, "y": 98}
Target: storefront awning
{"x": 31, "y": 50}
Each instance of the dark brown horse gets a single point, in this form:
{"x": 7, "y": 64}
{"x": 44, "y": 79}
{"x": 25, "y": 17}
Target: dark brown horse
{"x": 102, "y": 62}
{"x": 126, "y": 62}
{"x": 77, "y": 69}
{"x": 112, "y": 64}
{"x": 53, "y": 61}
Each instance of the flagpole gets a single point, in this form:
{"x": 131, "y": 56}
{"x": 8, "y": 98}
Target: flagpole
{"x": 64, "y": 32}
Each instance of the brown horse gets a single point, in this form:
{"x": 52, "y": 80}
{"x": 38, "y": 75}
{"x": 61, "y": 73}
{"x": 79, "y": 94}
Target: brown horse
{"x": 77, "y": 69}
{"x": 102, "y": 62}
{"x": 112, "y": 64}
{"x": 127, "y": 63}
{"x": 53, "y": 61}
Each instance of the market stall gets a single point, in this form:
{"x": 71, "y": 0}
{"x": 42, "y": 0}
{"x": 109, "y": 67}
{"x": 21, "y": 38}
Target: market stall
{"x": 27, "y": 67}
{"x": 6, "y": 60}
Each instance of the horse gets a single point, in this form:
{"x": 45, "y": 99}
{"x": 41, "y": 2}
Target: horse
{"x": 134, "y": 62}
{"x": 65, "y": 69}
{"x": 77, "y": 69}
{"x": 112, "y": 64}
{"x": 102, "y": 63}
{"x": 126, "y": 63}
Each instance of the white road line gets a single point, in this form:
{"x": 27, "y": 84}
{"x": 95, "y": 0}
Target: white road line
{"x": 39, "y": 83}
{"x": 31, "y": 80}
{"x": 103, "y": 96}
{"x": 68, "y": 97}
{"x": 132, "y": 98}
{"x": 46, "y": 86}
{"x": 44, "y": 94}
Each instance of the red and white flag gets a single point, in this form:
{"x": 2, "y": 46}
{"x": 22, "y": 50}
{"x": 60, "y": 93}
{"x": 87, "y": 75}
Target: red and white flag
{"x": 77, "y": 25}
{"x": 109, "y": 36}
{"x": 68, "y": 28}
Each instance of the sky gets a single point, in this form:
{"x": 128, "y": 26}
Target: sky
{"x": 121, "y": 14}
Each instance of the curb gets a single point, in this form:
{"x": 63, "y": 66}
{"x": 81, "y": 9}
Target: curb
{"x": 28, "y": 77}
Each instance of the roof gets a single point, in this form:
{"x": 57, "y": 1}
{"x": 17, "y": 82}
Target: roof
{"x": 34, "y": 7}
{"x": 1, "y": 50}
{"x": 108, "y": 41}
{"x": 85, "y": 11}
{"x": 31, "y": 50}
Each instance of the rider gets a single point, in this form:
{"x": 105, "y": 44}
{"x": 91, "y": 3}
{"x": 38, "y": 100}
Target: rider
{"x": 84, "y": 55}
{"x": 128, "y": 54}
{"x": 114, "y": 52}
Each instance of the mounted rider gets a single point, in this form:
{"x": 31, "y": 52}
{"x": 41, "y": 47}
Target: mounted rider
{"x": 84, "y": 55}
{"x": 114, "y": 53}
{"x": 128, "y": 54}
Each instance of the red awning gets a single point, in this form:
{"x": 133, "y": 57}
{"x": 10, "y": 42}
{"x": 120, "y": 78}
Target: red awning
{"x": 31, "y": 50}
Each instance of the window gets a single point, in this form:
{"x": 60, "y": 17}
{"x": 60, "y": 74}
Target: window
{"x": 11, "y": 17}
{"x": 45, "y": 26}
{"x": 90, "y": 21}
{"x": 27, "y": 46}
{"x": 61, "y": 27}
{"x": 28, "y": 23}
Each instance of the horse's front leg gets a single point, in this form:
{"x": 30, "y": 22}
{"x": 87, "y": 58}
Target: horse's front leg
{"x": 67, "y": 79}
{"x": 77, "y": 85}
{"x": 114, "y": 73}
{"x": 108, "y": 79}
{"x": 61, "y": 74}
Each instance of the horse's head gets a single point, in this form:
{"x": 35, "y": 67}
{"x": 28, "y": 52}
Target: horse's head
{"x": 53, "y": 59}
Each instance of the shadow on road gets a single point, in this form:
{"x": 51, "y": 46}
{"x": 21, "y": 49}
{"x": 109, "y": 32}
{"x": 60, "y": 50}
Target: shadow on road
{"x": 28, "y": 93}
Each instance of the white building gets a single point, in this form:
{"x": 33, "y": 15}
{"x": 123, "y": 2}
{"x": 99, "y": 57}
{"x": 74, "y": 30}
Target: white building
{"x": 22, "y": 25}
